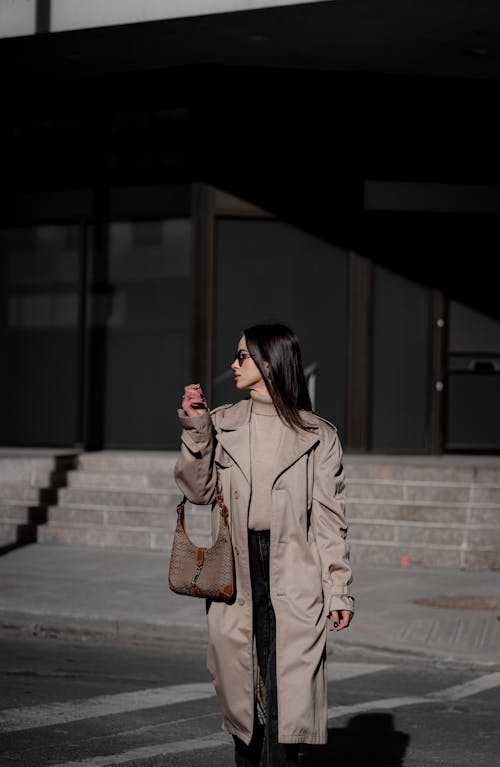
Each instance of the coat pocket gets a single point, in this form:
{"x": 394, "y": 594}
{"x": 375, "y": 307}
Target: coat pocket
{"x": 225, "y": 463}
{"x": 222, "y": 459}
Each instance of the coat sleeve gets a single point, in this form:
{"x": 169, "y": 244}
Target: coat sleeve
{"x": 194, "y": 471}
{"x": 328, "y": 520}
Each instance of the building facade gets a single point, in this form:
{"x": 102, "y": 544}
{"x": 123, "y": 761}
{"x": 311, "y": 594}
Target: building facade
{"x": 176, "y": 172}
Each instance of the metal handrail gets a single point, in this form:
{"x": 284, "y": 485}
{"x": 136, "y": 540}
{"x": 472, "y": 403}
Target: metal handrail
{"x": 311, "y": 374}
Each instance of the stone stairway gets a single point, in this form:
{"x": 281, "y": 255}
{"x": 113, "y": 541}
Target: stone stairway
{"x": 121, "y": 499}
{"x": 27, "y": 487}
{"x": 439, "y": 512}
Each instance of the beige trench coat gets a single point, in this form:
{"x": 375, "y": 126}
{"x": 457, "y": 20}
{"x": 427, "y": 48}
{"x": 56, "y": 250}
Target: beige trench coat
{"x": 309, "y": 568}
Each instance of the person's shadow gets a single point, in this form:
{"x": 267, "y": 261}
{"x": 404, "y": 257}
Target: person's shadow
{"x": 369, "y": 740}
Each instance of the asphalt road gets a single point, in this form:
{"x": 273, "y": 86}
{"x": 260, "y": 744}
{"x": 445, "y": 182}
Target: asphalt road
{"x": 84, "y": 705}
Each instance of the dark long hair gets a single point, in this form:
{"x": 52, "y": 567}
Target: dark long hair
{"x": 279, "y": 346}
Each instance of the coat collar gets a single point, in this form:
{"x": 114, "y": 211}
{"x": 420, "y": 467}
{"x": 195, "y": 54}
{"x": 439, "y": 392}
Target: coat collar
{"x": 234, "y": 436}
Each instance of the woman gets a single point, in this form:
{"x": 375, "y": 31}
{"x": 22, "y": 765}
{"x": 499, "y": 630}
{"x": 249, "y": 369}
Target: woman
{"x": 280, "y": 470}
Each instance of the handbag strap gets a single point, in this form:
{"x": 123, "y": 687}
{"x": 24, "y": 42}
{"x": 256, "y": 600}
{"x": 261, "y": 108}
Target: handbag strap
{"x": 180, "y": 509}
{"x": 220, "y": 503}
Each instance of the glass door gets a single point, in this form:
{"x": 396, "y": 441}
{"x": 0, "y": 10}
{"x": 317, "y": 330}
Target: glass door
{"x": 401, "y": 363}
{"x": 39, "y": 326}
{"x": 473, "y": 413}
{"x": 141, "y": 316}
{"x": 97, "y": 320}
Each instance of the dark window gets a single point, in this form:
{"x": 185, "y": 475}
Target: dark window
{"x": 269, "y": 271}
{"x": 401, "y": 353}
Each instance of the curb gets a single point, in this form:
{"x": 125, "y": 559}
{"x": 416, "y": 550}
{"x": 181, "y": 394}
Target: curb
{"x": 87, "y": 629}
{"x": 193, "y": 637}
{"x": 417, "y": 654}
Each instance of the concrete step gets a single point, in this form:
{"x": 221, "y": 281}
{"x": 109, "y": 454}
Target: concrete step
{"x": 25, "y": 494}
{"x": 424, "y": 512}
{"x": 101, "y": 480}
{"x": 33, "y": 471}
{"x": 124, "y": 526}
{"x": 18, "y": 522}
{"x": 432, "y": 513}
{"x": 367, "y": 509}
{"x": 407, "y": 533}
{"x": 144, "y": 462}
{"x": 99, "y": 536}
{"x": 21, "y": 514}
{"x": 14, "y": 534}
{"x": 437, "y": 469}
{"x": 196, "y": 520}
{"x": 145, "y": 499}
{"x": 26, "y": 471}
{"x": 37, "y": 478}
{"x": 122, "y": 499}
{"x": 399, "y": 491}
{"x": 27, "y": 486}
{"x": 148, "y": 530}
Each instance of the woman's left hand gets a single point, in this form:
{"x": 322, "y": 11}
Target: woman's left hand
{"x": 340, "y": 619}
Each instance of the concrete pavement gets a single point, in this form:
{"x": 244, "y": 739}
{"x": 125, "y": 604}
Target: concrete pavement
{"x": 85, "y": 593}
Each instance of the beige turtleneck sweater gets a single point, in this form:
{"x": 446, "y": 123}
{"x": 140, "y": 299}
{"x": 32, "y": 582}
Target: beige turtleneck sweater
{"x": 266, "y": 434}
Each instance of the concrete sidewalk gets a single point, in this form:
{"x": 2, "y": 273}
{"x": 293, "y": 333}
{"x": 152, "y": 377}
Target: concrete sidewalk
{"x": 85, "y": 593}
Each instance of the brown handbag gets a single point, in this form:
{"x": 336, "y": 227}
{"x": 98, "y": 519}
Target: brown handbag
{"x": 196, "y": 571}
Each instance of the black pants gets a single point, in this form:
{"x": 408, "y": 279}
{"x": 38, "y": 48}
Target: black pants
{"x": 264, "y": 749}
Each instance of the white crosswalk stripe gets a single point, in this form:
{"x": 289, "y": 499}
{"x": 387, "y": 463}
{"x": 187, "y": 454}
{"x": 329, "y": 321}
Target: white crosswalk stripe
{"x": 15, "y": 719}
{"x": 482, "y": 683}
{"x": 381, "y": 704}
{"x": 12, "y": 720}
{"x": 160, "y": 749}
{"x": 28, "y": 717}
{"x": 448, "y": 695}
{"x": 339, "y": 671}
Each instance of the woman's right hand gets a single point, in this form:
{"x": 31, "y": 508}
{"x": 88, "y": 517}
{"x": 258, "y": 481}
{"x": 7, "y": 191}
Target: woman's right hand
{"x": 193, "y": 401}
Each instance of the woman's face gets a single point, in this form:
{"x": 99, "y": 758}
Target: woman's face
{"x": 246, "y": 372}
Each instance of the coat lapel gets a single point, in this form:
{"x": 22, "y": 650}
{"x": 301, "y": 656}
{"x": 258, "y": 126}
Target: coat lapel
{"x": 234, "y": 437}
{"x": 295, "y": 445}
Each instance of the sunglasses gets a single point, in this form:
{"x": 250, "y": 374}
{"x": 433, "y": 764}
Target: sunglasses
{"x": 241, "y": 357}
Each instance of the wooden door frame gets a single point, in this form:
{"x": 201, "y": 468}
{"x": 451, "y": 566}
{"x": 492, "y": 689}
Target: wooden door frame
{"x": 359, "y": 353}
{"x": 436, "y": 426}
{"x": 208, "y": 204}
{"x": 360, "y": 361}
